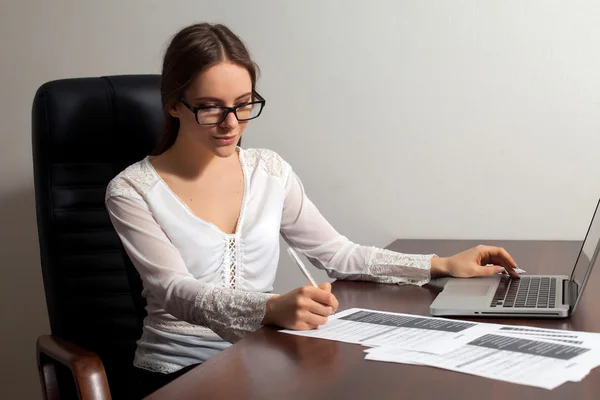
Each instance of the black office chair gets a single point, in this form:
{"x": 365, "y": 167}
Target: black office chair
{"x": 84, "y": 132}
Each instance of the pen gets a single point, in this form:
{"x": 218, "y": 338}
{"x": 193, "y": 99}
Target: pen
{"x": 302, "y": 267}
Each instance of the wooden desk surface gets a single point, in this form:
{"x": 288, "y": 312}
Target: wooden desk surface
{"x": 272, "y": 365}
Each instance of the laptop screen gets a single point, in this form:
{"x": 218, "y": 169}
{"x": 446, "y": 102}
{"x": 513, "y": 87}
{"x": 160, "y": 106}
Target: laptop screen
{"x": 588, "y": 254}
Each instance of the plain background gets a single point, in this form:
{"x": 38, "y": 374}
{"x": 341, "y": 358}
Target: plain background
{"x": 413, "y": 119}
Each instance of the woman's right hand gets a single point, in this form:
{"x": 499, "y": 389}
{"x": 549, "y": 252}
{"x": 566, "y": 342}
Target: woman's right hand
{"x": 301, "y": 309}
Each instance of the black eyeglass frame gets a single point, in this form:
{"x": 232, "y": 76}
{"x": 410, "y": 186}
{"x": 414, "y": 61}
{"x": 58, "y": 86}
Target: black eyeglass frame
{"x": 227, "y": 110}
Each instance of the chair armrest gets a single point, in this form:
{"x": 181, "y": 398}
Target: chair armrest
{"x": 86, "y": 367}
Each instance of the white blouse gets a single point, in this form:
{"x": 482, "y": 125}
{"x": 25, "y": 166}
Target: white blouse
{"x": 205, "y": 288}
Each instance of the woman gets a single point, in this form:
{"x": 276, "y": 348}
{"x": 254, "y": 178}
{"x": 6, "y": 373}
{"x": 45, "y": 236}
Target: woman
{"x": 201, "y": 220}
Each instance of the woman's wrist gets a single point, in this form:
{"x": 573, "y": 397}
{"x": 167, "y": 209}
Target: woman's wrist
{"x": 268, "y": 318}
{"x": 439, "y": 267}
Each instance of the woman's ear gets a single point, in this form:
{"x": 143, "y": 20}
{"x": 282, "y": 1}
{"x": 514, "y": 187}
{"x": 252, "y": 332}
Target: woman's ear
{"x": 174, "y": 112}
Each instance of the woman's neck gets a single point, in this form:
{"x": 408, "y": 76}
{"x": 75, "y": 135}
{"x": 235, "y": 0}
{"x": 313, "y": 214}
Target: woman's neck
{"x": 192, "y": 160}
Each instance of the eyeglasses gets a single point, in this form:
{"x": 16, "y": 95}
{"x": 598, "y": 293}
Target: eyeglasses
{"x": 214, "y": 115}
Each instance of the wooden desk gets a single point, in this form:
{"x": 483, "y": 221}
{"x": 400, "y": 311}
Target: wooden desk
{"x": 272, "y": 365}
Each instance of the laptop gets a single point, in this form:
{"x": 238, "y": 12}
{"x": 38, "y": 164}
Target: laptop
{"x": 537, "y": 296}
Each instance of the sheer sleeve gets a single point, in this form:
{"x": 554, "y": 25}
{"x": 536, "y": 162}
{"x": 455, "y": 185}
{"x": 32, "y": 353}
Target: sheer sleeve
{"x": 305, "y": 229}
{"x": 230, "y": 313}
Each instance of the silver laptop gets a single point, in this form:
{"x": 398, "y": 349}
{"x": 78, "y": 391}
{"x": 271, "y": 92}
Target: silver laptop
{"x": 538, "y": 296}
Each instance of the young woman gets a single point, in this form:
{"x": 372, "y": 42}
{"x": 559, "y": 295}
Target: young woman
{"x": 201, "y": 220}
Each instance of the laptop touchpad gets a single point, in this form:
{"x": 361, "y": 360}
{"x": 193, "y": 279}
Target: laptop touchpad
{"x": 468, "y": 290}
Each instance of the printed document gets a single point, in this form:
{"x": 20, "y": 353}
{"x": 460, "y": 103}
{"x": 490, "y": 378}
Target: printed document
{"x": 544, "y": 358}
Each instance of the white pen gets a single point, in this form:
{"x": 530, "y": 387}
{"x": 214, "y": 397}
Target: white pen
{"x": 302, "y": 267}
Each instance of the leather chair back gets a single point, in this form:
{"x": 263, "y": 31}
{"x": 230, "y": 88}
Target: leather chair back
{"x": 84, "y": 132}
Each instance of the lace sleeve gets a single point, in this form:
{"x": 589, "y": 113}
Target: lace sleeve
{"x": 305, "y": 229}
{"x": 230, "y": 313}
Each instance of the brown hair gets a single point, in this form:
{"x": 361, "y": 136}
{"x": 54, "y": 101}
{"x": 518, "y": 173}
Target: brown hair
{"x": 193, "y": 50}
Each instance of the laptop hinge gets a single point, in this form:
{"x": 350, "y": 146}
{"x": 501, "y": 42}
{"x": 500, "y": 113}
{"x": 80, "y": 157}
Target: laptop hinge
{"x": 570, "y": 290}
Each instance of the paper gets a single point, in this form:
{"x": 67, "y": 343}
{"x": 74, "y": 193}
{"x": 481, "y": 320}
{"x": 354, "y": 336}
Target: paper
{"x": 377, "y": 328}
{"x": 556, "y": 335}
{"x": 537, "y": 363}
{"x": 544, "y": 358}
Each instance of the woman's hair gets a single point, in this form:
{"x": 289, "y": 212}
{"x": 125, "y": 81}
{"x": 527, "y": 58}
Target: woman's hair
{"x": 193, "y": 50}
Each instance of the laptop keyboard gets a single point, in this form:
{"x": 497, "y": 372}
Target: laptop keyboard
{"x": 530, "y": 292}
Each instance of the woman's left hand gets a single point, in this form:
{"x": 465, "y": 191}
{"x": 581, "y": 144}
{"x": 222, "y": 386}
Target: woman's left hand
{"x": 473, "y": 262}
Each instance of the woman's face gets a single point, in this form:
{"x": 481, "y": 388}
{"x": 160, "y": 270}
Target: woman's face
{"x": 225, "y": 84}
